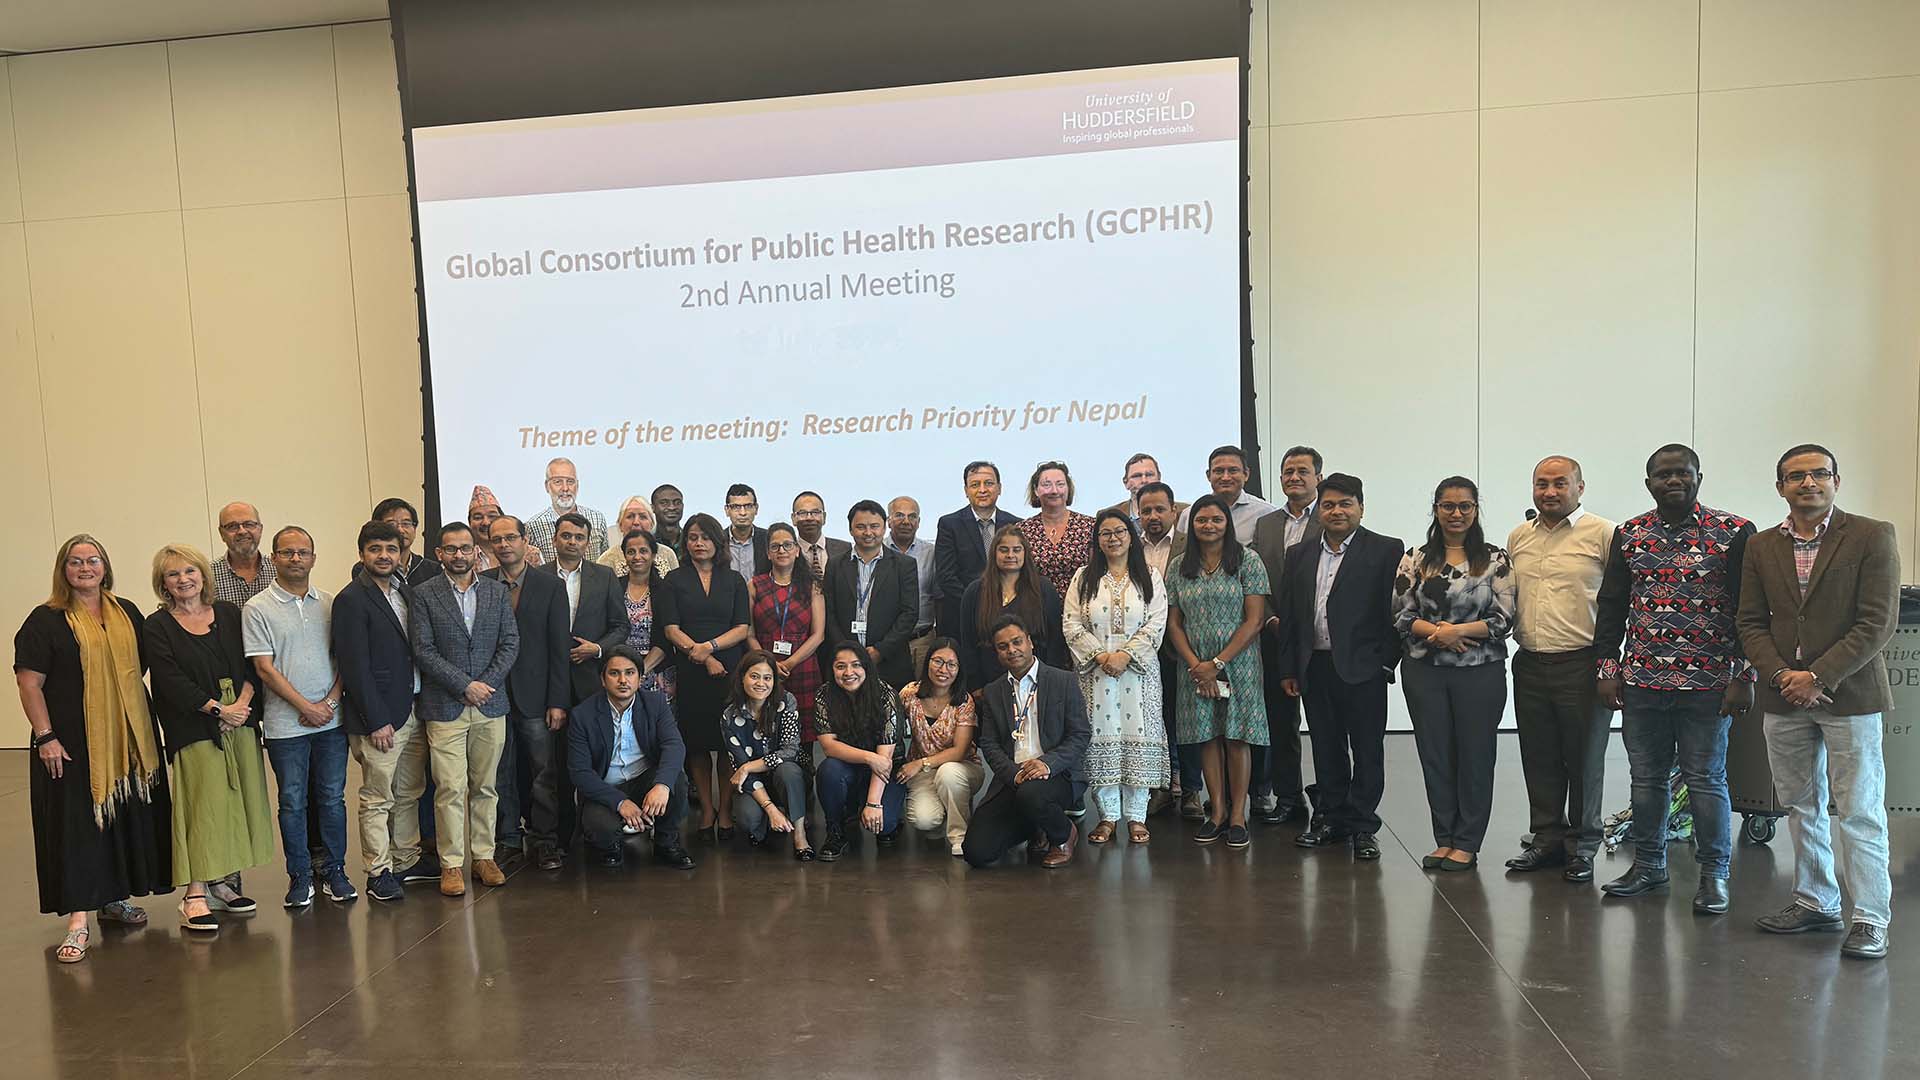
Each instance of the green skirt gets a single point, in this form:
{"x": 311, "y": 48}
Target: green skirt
{"x": 222, "y": 821}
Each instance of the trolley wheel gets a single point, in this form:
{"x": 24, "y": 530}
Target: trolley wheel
{"x": 1759, "y": 829}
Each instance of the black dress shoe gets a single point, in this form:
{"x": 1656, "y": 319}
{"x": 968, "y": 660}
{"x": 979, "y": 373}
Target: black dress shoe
{"x": 1865, "y": 942}
{"x": 609, "y": 859}
{"x": 1319, "y": 836}
{"x": 1711, "y": 897}
{"x": 1536, "y": 859}
{"x": 551, "y": 859}
{"x": 834, "y": 846}
{"x": 1637, "y": 881}
{"x": 886, "y": 839}
{"x": 1365, "y": 847}
{"x": 1798, "y": 920}
{"x": 1579, "y": 868}
{"x": 675, "y": 857}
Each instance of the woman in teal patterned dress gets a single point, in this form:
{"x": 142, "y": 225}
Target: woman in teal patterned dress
{"x": 1216, "y": 592}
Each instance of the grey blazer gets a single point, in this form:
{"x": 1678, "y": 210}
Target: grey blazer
{"x": 450, "y": 656}
{"x": 1270, "y": 540}
{"x": 601, "y": 618}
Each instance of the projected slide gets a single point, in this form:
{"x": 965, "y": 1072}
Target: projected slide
{"x": 855, "y": 293}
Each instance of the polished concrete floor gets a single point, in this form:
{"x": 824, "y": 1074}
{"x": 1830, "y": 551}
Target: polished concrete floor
{"x": 1172, "y": 961}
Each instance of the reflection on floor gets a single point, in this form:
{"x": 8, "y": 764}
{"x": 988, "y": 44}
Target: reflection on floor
{"x": 1175, "y": 960}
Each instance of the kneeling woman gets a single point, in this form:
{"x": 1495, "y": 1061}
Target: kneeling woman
{"x": 944, "y": 774}
{"x": 761, "y": 728}
{"x": 864, "y": 737}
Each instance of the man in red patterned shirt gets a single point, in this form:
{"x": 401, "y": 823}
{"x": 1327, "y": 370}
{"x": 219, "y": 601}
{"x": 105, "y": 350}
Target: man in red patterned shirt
{"x": 1671, "y": 591}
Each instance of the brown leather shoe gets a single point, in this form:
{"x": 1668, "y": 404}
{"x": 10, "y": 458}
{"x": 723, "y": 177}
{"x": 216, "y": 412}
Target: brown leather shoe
{"x": 1063, "y": 854}
{"x": 487, "y": 872}
{"x": 453, "y": 882}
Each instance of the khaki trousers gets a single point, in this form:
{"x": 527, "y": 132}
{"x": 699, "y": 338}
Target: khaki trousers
{"x": 390, "y": 785}
{"x": 466, "y": 760}
{"x": 944, "y": 797}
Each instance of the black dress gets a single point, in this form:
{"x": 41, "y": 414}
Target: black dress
{"x": 1049, "y": 640}
{"x": 699, "y": 697}
{"x": 83, "y": 867}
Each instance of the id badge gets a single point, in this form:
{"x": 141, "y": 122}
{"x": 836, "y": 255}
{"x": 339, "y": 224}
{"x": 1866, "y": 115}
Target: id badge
{"x": 783, "y": 648}
{"x": 1226, "y": 688}
{"x": 859, "y": 629}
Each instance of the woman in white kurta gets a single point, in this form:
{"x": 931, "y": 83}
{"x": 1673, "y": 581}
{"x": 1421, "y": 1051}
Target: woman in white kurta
{"x": 1115, "y": 616}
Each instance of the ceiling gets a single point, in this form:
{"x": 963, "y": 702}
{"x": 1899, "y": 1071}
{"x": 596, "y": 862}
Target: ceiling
{"x": 41, "y": 25}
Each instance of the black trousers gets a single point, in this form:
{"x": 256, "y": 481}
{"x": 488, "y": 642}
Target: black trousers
{"x": 527, "y": 783}
{"x": 1349, "y": 726}
{"x": 603, "y": 825}
{"x": 1456, "y": 722}
{"x": 1563, "y": 747}
{"x": 1010, "y": 815}
{"x": 1276, "y": 770}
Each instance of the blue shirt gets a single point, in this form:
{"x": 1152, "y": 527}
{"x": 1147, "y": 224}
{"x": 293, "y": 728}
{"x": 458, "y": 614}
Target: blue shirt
{"x": 628, "y": 760}
{"x": 864, "y": 594}
{"x": 468, "y": 599}
{"x": 1330, "y": 561}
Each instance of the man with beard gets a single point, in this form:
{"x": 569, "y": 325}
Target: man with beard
{"x": 243, "y": 572}
{"x": 563, "y": 489}
{"x": 399, "y": 513}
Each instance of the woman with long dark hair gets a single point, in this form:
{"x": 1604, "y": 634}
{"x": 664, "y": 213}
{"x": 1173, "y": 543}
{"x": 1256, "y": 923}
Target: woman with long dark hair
{"x": 1010, "y": 584}
{"x": 1453, "y": 604}
{"x": 864, "y": 737}
{"x": 944, "y": 773}
{"x": 762, "y": 730}
{"x": 1115, "y": 617}
{"x": 642, "y": 578}
{"x": 1216, "y": 591}
{"x": 102, "y": 815}
{"x": 703, "y": 611}
{"x": 790, "y": 622}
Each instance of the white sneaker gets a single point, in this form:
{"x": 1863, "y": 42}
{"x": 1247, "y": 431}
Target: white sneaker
{"x": 955, "y": 848}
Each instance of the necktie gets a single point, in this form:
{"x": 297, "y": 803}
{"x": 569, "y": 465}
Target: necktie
{"x": 513, "y": 594}
{"x": 986, "y": 536}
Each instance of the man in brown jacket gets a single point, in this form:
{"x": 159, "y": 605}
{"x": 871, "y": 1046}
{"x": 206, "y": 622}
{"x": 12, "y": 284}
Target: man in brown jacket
{"x": 1819, "y": 599}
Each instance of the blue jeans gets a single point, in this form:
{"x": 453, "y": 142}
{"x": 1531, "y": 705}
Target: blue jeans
{"x": 1817, "y": 757}
{"x": 312, "y": 767}
{"x": 1655, "y": 724}
{"x": 843, "y": 795}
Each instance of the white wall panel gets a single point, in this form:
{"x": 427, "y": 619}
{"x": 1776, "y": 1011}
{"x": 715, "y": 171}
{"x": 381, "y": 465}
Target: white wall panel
{"x": 1538, "y": 51}
{"x": 370, "y": 126}
{"x": 387, "y": 321}
{"x": 1771, "y": 42}
{"x": 94, "y": 131}
{"x": 1810, "y": 291}
{"x": 9, "y": 168}
{"x": 256, "y": 117}
{"x": 1342, "y": 59}
{"x": 1586, "y": 298}
{"x": 23, "y": 459}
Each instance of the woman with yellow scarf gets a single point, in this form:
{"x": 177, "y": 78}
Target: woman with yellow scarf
{"x": 102, "y": 821}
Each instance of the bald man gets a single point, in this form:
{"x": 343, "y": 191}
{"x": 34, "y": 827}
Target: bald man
{"x": 563, "y": 490}
{"x": 903, "y": 527}
{"x": 243, "y": 572}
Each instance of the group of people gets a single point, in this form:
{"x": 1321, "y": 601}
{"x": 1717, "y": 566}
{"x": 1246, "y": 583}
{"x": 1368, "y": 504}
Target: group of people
{"x": 527, "y": 681}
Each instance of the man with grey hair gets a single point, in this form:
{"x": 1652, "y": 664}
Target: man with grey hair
{"x": 1559, "y": 560}
{"x": 243, "y": 572}
{"x": 563, "y": 489}
{"x": 903, "y": 527}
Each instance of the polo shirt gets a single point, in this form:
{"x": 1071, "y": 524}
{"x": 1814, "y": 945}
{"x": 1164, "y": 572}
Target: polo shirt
{"x": 295, "y": 632}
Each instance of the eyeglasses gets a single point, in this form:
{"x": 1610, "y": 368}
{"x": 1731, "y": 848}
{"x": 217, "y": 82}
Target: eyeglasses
{"x": 943, "y": 663}
{"x": 743, "y": 506}
{"x": 506, "y": 537}
{"x": 1822, "y": 475}
{"x": 783, "y": 545}
{"x": 293, "y": 553}
{"x": 456, "y": 549}
{"x": 797, "y": 514}
{"x": 77, "y": 561}
{"x": 1113, "y": 534}
{"x": 240, "y": 526}
{"x": 1456, "y": 508}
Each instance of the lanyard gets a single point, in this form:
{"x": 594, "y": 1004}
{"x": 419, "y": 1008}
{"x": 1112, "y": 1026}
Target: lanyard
{"x": 780, "y": 606}
{"x": 862, "y": 592}
{"x": 1023, "y": 708}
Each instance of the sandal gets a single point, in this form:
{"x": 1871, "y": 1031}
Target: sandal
{"x": 205, "y": 922}
{"x": 73, "y": 948}
{"x": 1137, "y": 832}
{"x": 1101, "y": 833}
{"x": 121, "y": 911}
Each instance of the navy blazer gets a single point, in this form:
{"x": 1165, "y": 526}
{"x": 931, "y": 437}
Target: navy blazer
{"x": 601, "y": 619}
{"x": 1359, "y": 608}
{"x": 1064, "y": 730}
{"x": 893, "y": 609}
{"x": 959, "y": 557}
{"x": 538, "y": 681}
{"x": 590, "y": 744}
{"x": 374, "y": 655}
{"x": 451, "y": 656}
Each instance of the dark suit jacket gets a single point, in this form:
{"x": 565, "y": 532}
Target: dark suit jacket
{"x": 418, "y": 569}
{"x": 1270, "y": 541}
{"x": 538, "y": 681}
{"x": 1359, "y": 609}
{"x": 893, "y": 609}
{"x": 761, "y": 564}
{"x": 1849, "y": 614}
{"x": 374, "y": 656}
{"x": 590, "y": 744}
{"x": 1064, "y": 731}
{"x": 601, "y": 618}
{"x": 958, "y": 558}
{"x": 450, "y": 656}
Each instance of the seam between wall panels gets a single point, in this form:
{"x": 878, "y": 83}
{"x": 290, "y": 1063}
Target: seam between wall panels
{"x": 33, "y": 340}
{"x": 186, "y": 282}
{"x": 353, "y": 289}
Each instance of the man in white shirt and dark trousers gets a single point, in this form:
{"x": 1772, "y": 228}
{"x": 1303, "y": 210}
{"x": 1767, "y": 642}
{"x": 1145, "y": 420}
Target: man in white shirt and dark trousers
{"x": 627, "y": 760}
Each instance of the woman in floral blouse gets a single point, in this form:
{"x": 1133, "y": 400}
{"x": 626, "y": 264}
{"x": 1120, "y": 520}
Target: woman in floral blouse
{"x": 761, "y": 728}
{"x": 1453, "y": 606}
{"x": 943, "y": 773}
{"x": 1057, "y": 538}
